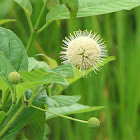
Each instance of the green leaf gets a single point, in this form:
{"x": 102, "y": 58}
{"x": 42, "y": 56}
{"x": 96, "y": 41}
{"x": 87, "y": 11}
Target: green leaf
{"x": 26, "y": 5}
{"x": 51, "y": 62}
{"x": 42, "y": 76}
{"x": 3, "y": 85}
{"x": 62, "y": 100}
{"x": 73, "y": 109}
{"x": 2, "y": 116}
{"x": 5, "y": 6}
{"x": 35, "y": 126}
{"x": 65, "y": 70}
{"x": 80, "y": 73}
{"x": 22, "y": 119}
{"x": 10, "y": 46}
{"x": 46, "y": 132}
{"x": 91, "y": 8}
{"x": 40, "y": 99}
{"x": 34, "y": 64}
{"x": 5, "y": 67}
{"x": 2, "y": 21}
{"x": 54, "y": 88}
{"x": 19, "y": 122}
{"x": 36, "y": 78}
{"x": 52, "y": 4}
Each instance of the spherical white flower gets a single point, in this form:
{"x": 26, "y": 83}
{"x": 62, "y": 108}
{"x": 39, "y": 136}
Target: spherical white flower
{"x": 84, "y": 50}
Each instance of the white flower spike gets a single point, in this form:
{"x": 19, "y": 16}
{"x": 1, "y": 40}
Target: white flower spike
{"x": 84, "y": 50}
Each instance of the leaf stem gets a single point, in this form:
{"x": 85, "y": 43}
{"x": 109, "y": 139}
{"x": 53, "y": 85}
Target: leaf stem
{"x": 4, "y": 98}
{"x": 31, "y": 40}
{"x": 34, "y": 32}
{"x": 67, "y": 117}
{"x": 12, "y": 120}
{"x": 40, "y": 15}
{"x": 49, "y": 92}
{"x": 13, "y": 100}
{"x": 41, "y": 90}
{"x": 10, "y": 109}
{"x": 30, "y": 22}
{"x": 34, "y": 95}
{"x": 44, "y": 26}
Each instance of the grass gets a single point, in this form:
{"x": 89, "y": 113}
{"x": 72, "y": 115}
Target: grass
{"x": 116, "y": 86}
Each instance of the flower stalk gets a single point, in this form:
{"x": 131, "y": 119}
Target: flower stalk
{"x": 92, "y": 122}
{"x": 60, "y": 115}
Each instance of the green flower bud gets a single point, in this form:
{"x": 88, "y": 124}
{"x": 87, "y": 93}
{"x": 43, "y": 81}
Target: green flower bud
{"x": 14, "y": 77}
{"x": 93, "y": 122}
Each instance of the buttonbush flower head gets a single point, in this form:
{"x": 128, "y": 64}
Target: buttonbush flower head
{"x": 84, "y": 50}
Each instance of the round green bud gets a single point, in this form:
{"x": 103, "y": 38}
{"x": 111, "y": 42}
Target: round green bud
{"x": 93, "y": 122}
{"x": 14, "y": 77}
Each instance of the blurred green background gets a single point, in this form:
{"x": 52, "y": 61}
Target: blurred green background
{"x": 116, "y": 86}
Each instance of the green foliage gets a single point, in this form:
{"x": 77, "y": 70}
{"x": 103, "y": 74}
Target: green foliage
{"x": 52, "y": 4}
{"x": 21, "y": 120}
{"x": 73, "y": 109}
{"x": 5, "y": 69}
{"x": 10, "y": 46}
{"x": 35, "y": 126}
{"x": 3, "y": 84}
{"x": 38, "y": 100}
{"x": 65, "y": 70}
{"x": 82, "y": 73}
{"x": 26, "y": 5}
{"x": 9, "y": 61}
{"x": 42, "y": 81}
{"x": 51, "y": 62}
{"x": 92, "y": 7}
{"x": 61, "y": 100}
{"x": 3, "y": 21}
{"x": 46, "y": 132}
{"x": 2, "y": 116}
{"x": 36, "y": 78}
{"x": 34, "y": 64}
{"x": 3, "y": 4}
{"x": 72, "y": 5}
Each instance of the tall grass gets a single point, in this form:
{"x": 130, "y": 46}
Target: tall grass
{"x": 116, "y": 86}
